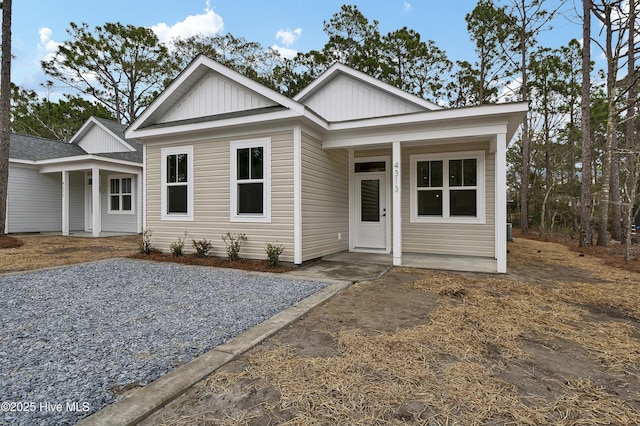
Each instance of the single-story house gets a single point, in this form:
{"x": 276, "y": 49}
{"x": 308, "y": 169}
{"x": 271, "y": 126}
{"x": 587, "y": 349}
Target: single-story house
{"x": 349, "y": 164}
{"x": 51, "y": 183}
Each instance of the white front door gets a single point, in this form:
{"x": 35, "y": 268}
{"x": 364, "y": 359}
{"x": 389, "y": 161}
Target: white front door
{"x": 370, "y": 211}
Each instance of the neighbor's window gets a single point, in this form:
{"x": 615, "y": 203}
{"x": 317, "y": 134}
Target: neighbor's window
{"x": 250, "y": 180}
{"x": 120, "y": 195}
{"x": 177, "y": 183}
{"x": 448, "y": 188}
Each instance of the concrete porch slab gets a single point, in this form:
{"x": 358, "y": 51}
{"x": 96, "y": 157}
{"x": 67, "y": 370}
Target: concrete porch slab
{"x": 419, "y": 260}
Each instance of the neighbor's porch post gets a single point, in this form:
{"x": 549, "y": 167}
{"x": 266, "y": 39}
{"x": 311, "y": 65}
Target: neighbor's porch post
{"x": 500, "y": 207}
{"x": 396, "y": 185}
{"x": 65, "y": 202}
{"x": 95, "y": 198}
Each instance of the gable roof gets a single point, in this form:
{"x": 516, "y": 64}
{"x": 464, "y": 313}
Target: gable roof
{"x": 337, "y": 71}
{"x": 114, "y": 129}
{"x": 22, "y": 147}
{"x": 197, "y": 88}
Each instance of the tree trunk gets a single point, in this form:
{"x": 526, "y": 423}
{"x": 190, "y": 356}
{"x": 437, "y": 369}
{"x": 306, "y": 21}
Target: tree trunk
{"x": 5, "y": 111}
{"x": 612, "y": 127}
{"x": 631, "y": 143}
{"x": 525, "y": 149}
{"x": 586, "y": 233}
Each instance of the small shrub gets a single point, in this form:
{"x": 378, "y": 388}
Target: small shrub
{"x": 145, "y": 245}
{"x": 273, "y": 250}
{"x": 177, "y": 247}
{"x": 234, "y": 243}
{"x": 202, "y": 247}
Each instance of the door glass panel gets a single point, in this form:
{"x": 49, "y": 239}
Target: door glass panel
{"x": 370, "y": 200}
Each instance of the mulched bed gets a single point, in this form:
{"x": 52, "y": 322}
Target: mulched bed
{"x": 218, "y": 262}
{"x": 7, "y": 242}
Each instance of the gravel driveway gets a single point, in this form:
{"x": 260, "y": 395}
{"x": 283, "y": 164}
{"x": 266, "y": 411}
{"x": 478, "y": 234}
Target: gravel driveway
{"x": 72, "y": 338}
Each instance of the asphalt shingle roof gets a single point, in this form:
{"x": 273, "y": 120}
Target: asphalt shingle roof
{"x": 22, "y": 147}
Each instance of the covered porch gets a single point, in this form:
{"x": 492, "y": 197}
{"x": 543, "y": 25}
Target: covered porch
{"x": 112, "y": 206}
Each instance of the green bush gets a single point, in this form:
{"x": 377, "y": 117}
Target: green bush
{"x": 234, "y": 243}
{"x": 202, "y": 247}
{"x": 145, "y": 244}
{"x": 177, "y": 247}
{"x": 273, "y": 250}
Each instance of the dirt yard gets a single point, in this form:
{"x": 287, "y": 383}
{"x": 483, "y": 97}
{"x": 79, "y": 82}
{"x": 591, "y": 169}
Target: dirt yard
{"x": 555, "y": 341}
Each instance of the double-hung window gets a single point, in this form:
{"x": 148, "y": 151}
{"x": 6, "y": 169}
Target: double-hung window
{"x": 120, "y": 194}
{"x": 250, "y": 178}
{"x": 448, "y": 188}
{"x": 177, "y": 183}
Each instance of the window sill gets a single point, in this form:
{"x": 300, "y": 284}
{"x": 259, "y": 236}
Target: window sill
{"x": 250, "y": 219}
{"x": 452, "y": 220}
{"x": 177, "y": 218}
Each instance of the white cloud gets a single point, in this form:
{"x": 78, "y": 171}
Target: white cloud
{"x": 208, "y": 23}
{"x": 285, "y": 52}
{"x": 46, "y": 43}
{"x": 407, "y": 7}
{"x": 288, "y": 37}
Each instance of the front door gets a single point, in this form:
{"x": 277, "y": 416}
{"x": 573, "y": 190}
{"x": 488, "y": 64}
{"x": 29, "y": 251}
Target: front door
{"x": 370, "y": 211}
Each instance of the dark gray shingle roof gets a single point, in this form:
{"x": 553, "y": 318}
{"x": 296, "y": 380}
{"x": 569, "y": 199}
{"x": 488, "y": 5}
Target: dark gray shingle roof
{"x": 22, "y": 147}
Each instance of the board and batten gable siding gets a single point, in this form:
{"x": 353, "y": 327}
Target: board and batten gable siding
{"x": 345, "y": 98}
{"x": 215, "y": 94}
{"x": 211, "y": 217}
{"x": 34, "y": 201}
{"x": 98, "y": 141}
{"x": 456, "y": 238}
{"x": 325, "y": 199}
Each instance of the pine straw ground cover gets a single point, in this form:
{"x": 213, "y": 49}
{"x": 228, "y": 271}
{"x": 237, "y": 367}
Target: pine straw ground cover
{"x": 556, "y": 341}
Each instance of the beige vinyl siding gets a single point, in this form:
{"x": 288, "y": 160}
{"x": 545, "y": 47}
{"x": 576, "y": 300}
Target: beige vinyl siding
{"x": 442, "y": 238}
{"x": 325, "y": 199}
{"x": 34, "y": 201}
{"x": 211, "y": 183}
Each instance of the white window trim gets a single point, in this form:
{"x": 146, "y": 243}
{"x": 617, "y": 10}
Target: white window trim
{"x": 265, "y": 144}
{"x": 132, "y": 194}
{"x": 480, "y": 218}
{"x": 188, "y": 217}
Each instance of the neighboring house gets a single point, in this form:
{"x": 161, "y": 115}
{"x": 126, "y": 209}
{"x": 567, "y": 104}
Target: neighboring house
{"x": 51, "y": 182}
{"x": 350, "y": 163}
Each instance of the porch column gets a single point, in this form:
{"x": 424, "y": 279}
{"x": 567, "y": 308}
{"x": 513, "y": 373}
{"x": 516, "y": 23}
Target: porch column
{"x": 139, "y": 202}
{"x": 65, "y": 203}
{"x": 396, "y": 182}
{"x": 95, "y": 198}
{"x": 501, "y": 202}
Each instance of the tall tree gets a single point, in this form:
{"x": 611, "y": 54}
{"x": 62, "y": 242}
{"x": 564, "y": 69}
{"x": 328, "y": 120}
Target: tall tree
{"x": 353, "y": 40}
{"x": 491, "y": 29}
{"x": 48, "y": 119}
{"x": 530, "y": 18}
{"x": 611, "y": 15}
{"x": 5, "y": 110}
{"x": 586, "y": 231}
{"x": 414, "y": 65}
{"x": 123, "y": 67}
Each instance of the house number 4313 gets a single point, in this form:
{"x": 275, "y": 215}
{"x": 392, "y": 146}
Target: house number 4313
{"x": 396, "y": 177}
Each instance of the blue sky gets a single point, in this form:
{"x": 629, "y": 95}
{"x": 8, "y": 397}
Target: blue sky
{"x": 289, "y": 25}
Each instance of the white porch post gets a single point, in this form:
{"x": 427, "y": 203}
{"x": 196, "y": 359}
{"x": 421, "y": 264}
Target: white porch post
{"x": 396, "y": 185}
{"x": 139, "y": 202}
{"x": 95, "y": 198}
{"x": 501, "y": 202}
{"x": 65, "y": 203}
